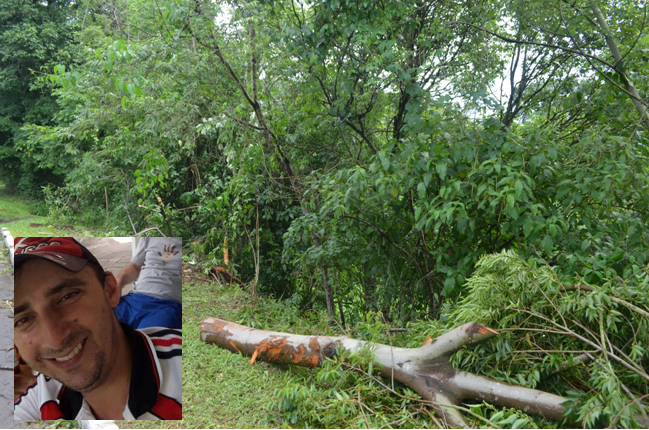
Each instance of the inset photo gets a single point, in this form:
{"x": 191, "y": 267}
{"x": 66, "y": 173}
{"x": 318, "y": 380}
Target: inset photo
{"x": 97, "y": 328}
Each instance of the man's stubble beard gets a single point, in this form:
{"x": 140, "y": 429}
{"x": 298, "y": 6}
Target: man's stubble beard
{"x": 101, "y": 369}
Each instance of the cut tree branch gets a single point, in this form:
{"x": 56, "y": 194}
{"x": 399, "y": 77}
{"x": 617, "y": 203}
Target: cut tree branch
{"x": 426, "y": 370}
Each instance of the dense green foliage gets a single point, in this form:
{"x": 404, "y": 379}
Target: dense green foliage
{"x": 370, "y": 153}
{"x": 33, "y": 37}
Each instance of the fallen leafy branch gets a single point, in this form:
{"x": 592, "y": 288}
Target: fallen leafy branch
{"x": 426, "y": 370}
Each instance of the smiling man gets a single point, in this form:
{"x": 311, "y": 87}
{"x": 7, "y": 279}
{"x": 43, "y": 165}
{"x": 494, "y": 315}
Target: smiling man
{"x": 91, "y": 366}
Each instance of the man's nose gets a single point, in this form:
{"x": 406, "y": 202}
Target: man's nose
{"x": 56, "y": 328}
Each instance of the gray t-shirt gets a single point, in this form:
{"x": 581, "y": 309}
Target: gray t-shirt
{"x": 161, "y": 258}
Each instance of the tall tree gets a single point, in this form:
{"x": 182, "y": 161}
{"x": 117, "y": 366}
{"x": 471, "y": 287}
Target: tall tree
{"x": 34, "y": 36}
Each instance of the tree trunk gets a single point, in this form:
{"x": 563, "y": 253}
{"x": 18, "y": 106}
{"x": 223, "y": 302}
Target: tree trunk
{"x": 329, "y": 297}
{"x": 369, "y": 294}
{"x": 340, "y": 301}
{"x": 426, "y": 370}
{"x": 612, "y": 44}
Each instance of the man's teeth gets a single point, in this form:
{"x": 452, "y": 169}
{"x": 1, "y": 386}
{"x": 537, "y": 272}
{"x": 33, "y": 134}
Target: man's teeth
{"x": 74, "y": 352}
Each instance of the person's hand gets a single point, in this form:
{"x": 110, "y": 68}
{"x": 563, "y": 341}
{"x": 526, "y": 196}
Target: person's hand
{"x": 169, "y": 252}
{"x": 22, "y": 380}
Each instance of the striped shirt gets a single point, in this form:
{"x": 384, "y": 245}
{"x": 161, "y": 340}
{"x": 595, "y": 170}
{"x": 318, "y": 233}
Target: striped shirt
{"x": 155, "y": 390}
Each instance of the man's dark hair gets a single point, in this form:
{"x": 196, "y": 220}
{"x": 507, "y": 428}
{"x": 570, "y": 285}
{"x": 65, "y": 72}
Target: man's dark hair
{"x": 101, "y": 274}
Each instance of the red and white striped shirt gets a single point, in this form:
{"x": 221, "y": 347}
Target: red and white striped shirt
{"x": 155, "y": 391}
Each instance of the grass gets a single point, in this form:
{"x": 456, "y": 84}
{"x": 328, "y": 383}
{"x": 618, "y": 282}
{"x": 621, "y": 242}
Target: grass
{"x": 16, "y": 213}
{"x": 12, "y": 206}
{"x": 221, "y": 389}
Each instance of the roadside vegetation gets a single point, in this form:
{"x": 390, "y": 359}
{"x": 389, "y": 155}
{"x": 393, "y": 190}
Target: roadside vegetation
{"x": 17, "y": 212}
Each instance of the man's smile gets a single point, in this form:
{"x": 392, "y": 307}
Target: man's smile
{"x": 71, "y": 358}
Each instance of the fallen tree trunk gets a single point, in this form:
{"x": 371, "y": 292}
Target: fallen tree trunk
{"x": 426, "y": 370}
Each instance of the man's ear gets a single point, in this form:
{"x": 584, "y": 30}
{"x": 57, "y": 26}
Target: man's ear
{"x": 112, "y": 292}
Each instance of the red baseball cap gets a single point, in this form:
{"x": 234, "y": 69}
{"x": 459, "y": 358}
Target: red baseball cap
{"x": 64, "y": 251}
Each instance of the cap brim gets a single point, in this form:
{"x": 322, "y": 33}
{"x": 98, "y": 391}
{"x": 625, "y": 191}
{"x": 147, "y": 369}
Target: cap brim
{"x": 66, "y": 261}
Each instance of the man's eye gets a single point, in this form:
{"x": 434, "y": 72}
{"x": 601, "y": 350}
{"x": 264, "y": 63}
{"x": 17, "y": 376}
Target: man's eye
{"x": 69, "y": 296}
{"x": 22, "y": 321}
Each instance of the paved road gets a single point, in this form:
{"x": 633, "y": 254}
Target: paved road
{"x": 6, "y": 343}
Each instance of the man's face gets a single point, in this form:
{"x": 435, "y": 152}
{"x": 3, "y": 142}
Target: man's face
{"x": 64, "y": 325}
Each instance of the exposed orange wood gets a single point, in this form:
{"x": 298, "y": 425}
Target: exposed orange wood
{"x": 485, "y": 330}
{"x": 427, "y": 341}
{"x": 254, "y": 356}
{"x": 314, "y": 344}
{"x": 313, "y": 360}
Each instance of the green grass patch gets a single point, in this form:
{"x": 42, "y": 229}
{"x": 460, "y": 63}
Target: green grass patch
{"x": 16, "y": 213}
{"x": 12, "y": 206}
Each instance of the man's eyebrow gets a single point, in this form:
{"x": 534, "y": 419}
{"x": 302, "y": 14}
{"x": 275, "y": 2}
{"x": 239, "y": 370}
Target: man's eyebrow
{"x": 22, "y": 308}
{"x": 68, "y": 283}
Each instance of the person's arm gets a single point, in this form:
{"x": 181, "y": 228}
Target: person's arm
{"x": 129, "y": 274}
{"x": 23, "y": 378}
{"x": 26, "y": 407}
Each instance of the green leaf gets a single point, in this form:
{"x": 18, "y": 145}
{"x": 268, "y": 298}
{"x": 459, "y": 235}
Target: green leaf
{"x": 385, "y": 162}
{"x": 109, "y": 61}
{"x": 619, "y": 255}
{"x": 125, "y": 103}
{"x": 511, "y": 200}
{"x": 449, "y": 285}
{"x": 547, "y": 244}
{"x": 518, "y": 187}
{"x": 421, "y": 190}
{"x": 497, "y": 416}
{"x": 585, "y": 244}
{"x": 528, "y": 226}
{"x": 130, "y": 88}
{"x": 518, "y": 424}
{"x": 510, "y": 419}
{"x": 441, "y": 170}
{"x": 511, "y": 212}
{"x": 427, "y": 177}
{"x": 562, "y": 192}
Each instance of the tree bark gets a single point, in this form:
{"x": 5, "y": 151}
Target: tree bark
{"x": 619, "y": 67}
{"x": 426, "y": 370}
{"x": 369, "y": 293}
{"x": 329, "y": 297}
